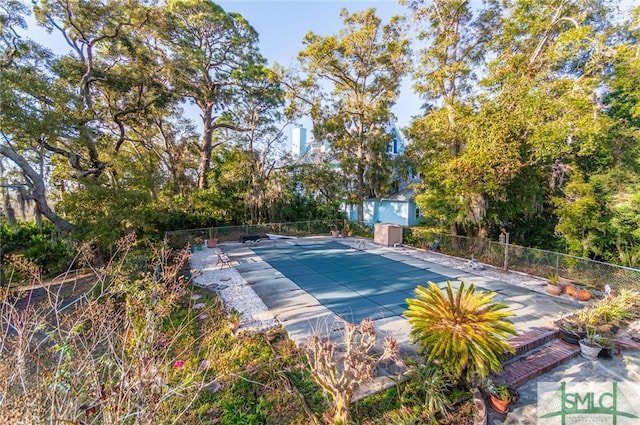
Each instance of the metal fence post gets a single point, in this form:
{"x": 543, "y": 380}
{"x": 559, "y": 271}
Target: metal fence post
{"x": 505, "y": 267}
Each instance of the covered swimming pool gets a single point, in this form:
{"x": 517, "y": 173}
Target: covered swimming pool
{"x": 352, "y": 283}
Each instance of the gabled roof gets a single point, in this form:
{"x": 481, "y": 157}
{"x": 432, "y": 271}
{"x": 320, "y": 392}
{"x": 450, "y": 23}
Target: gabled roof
{"x": 406, "y": 194}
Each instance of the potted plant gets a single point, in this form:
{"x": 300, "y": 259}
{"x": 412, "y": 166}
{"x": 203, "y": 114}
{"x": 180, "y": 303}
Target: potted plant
{"x": 607, "y": 348}
{"x": 583, "y": 294}
{"x": 553, "y": 287}
{"x": 500, "y": 396}
{"x": 571, "y": 330}
{"x": 589, "y": 346}
{"x": 347, "y": 230}
{"x": 198, "y": 242}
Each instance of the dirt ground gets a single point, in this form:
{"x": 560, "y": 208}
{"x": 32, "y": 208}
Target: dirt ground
{"x": 65, "y": 289}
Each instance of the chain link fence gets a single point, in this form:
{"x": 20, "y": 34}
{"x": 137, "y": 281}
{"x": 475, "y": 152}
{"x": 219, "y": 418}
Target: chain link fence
{"x": 537, "y": 262}
{"x": 179, "y": 238}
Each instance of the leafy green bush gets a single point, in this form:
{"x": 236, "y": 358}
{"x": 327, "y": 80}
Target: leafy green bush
{"x": 428, "y": 387}
{"x": 53, "y": 257}
{"x": 462, "y": 330}
{"x": 17, "y": 240}
{"x": 37, "y": 244}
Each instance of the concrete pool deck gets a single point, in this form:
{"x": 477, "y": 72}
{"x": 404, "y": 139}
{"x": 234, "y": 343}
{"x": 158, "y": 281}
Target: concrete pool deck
{"x": 301, "y": 314}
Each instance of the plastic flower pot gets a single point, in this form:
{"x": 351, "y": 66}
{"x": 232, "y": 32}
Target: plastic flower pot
{"x": 589, "y": 349}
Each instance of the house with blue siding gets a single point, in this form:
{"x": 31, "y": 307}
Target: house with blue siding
{"x": 396, "y": 208}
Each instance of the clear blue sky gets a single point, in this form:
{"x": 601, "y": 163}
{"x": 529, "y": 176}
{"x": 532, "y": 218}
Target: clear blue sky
{"x": 283, "y": 24}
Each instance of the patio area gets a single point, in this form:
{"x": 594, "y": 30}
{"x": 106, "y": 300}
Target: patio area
{"x": 310, "y": 284}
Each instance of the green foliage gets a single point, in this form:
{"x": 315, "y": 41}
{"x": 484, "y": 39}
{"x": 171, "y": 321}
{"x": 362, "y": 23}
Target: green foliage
{"x": 105, "y": 214}
{"x": 375, "y": 406}
{"x": 505, "y": 154}
{"x": 17, "y": 240}
{"x": 37, "y": 244}
{"x": 502, "y": 392}
{"x": 257, "y": 373}
{"x": 363, "y": 65}
{"x": 428, "y": 387}
{"x": 598, "y": 217}
{"x": 243, "y": 410}
{"x": 53, "y": 256}
{"x": 461, "y": 330}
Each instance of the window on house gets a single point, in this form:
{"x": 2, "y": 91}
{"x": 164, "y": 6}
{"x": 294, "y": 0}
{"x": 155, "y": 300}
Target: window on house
{"x": 417, "y": 213}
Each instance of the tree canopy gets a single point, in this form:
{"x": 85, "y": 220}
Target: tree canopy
{"x": 521, "y": 130}
{"x": 353, "y": 79}
{"x": 530, "y": 118}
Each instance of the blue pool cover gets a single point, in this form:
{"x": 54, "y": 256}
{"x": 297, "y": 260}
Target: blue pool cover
{"x": 354, "y": 284}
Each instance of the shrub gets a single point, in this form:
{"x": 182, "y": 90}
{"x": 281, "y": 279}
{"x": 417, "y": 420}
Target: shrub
{"x": 340, "y": 367}
{"x": 102, "y": 359}
{"x": 463, "y": 330}
{"x": 428, "y": 387}
{"x": 36, "y": 244}
{"x": 53, "y": 257}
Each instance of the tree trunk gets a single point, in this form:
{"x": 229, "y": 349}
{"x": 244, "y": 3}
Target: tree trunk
{"x": 342, "y": 414}
{"x": 207, "y": 145}
{"x": 453, "y": 143}
{"x": 38, "y": 189}
{"x": 360, "y": 192}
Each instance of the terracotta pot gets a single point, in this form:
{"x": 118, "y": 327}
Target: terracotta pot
{"x": 335, "y": 233}
{"x": 584, "y": 295}
{"x": 569, "y": 290}
{"x": 212, "y": 243}
{"x": 554, "y": 289}
{"x": 500, "y": 406}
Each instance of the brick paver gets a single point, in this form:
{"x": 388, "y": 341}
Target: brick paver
{"x": 531, "y": 340}
{"x": 528, "y": 366}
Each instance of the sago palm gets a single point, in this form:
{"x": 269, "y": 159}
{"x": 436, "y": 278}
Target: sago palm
{"x": 463, "y": 330}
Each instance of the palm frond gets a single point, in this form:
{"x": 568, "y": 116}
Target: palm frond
{"x": 463, "y": 329}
